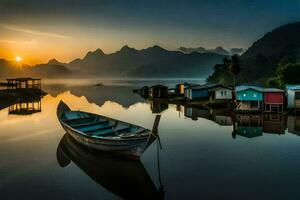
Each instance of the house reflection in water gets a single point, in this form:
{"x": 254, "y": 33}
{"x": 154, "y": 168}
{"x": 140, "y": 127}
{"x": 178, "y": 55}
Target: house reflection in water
{"x": 158, "y": 105}
{"x": 248, "y": 126}
{"x": 274, "y": 123}
{"x": 293, "y": 124}
{"x": 195, "y": 112}
{"x": 220, "y": 116}
{"x": 255, "y": 125}
{"x": 26, "y": 107}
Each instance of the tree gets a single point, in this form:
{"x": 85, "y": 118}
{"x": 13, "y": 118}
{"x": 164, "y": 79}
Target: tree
{"x": 235, "y": 69}
{"x": 288, "y": 74}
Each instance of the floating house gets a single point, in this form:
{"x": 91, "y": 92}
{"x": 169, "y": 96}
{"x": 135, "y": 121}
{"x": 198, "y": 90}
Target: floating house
{"x": 220, "y": 94}
{"x": 181, "y": 87}
{"x": 273, "y": 100}
{"x": 158, "y": 91}
{"x": 211, "y": 92}
{"x": 249, "y": 98}
{"x": 143, "y": 92}
{"x": 24, "y": 83}
{"x": 274, "y": 123}
{"x": 293, "y": 96}
{"x": 199, "y": 91}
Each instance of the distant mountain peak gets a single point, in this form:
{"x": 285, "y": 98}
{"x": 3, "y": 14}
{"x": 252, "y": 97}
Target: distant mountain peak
{"x": 156, "y": 48}
{"x": 96, "y": 53}
{"x": 218, "y": 50}
{"x": 53, "y": 61}
{"x": 99, "y": 51}
{"x": 127, "y": 48}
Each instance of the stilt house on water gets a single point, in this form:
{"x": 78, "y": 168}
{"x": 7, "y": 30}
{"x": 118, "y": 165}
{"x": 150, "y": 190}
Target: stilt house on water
{"x": 293, "y": 96}
{"x": 181, "y": 87}
{"x": 24, "y": 83}
{"x": 214, "y": 93}
{"x": 249, "y": 98}
{"x": 273, "y": 100}
{"x": 158, "y": 91}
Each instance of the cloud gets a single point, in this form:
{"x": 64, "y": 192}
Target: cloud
{"x": 35, "y": 32}
{"x": 8, "y": 41}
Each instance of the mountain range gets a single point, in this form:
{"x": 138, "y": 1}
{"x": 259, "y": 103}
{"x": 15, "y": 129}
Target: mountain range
{"x": 127, "y": 62}
{"x": 217, "y": 50}
{"x": 258, "y": 63}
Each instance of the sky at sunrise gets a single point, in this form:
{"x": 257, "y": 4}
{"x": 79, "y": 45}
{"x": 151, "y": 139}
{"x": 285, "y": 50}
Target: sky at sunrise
{"x": 38, "y": 30}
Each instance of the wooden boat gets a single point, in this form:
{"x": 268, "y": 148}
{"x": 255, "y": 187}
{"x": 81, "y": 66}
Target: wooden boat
{"x": 128, "y": 179}
{"x": 103, "y": 133}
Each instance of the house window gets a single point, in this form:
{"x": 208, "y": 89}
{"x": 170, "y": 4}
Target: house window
{"x": 221, "y": 92}
{"x": 225, "y": 93}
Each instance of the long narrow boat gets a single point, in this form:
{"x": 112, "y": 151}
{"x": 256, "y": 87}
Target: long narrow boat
{"x": 103, "y": 133}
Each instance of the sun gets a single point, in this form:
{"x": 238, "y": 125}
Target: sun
{"x": 18, "y": 59}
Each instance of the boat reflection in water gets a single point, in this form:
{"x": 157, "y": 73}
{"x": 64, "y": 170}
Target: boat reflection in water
{"x": 125, "y": 178}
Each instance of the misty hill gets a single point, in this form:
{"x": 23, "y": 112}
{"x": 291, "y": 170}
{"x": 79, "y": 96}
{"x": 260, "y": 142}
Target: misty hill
{"x": 150, "y": 62}
{"x": 184, "y": 65}
{"x": 262, "y": 58}
{"x": 15, "y": 69}
{"x": 55, "y": 62}
{"x": 217, "y": 50}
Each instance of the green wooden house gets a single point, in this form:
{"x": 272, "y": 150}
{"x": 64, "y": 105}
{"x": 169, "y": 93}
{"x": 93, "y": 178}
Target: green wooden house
{"x": 249, "y": 98}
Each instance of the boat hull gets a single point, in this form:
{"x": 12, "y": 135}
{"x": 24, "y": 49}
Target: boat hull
{"x": 131, "y": 148}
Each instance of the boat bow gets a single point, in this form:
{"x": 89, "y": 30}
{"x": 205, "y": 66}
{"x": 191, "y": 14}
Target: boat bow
{"x": 61, "y": 109}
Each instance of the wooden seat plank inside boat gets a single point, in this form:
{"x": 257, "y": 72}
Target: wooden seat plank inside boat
{"x": 95, "y": 128}
{"x": 113, "y": 131}
{"x": 89, "y": 123}
{"x": 80, "y": 119}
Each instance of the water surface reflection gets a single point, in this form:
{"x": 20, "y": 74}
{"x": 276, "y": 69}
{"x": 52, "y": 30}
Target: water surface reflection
{"x": 125, "y": 178}
{"x": 199, "y": 158}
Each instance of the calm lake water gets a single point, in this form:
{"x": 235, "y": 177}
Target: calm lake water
{"x": 203, "y": 156}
